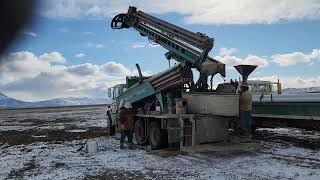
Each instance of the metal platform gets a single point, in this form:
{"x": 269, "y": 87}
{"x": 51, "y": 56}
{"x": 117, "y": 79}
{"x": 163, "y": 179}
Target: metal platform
{"x": 192, "y": 129}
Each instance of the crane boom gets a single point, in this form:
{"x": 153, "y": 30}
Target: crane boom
{"x": 182, "y": 45}
{"x": 198, "y": 39}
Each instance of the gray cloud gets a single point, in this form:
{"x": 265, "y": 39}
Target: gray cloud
{"x": 52, "y": 57}
{"x": 227, "y": 51}
{"x": 95, "y": 45}
{"x": 291, "y": 82}
{"x": 226, "y": 56}
{"x": 194, "y": 11}
{"x": 80, "y": 55}
{"x": 29, "y": 77}
{"x": 295, "y": 58}
{"x": 84, "y": 69}
{"x": 249, "y": 60}
{"x": 114, "y": 68}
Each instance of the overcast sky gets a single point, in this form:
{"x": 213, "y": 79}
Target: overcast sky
{"x": 71, "y": 51}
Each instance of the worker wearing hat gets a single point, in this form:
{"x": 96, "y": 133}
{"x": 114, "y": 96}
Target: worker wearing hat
{"x": 126, "y": 124}
{"x": 245, "y": 112}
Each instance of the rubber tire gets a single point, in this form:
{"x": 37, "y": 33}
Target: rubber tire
{"x": 155, "y": 136}
{"x": 139, "y": 131}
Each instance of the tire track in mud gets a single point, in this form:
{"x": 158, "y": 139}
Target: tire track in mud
{"x": 296, "y": 160}
{"x": 220, "y": 164}
{"x": 309, "y": 140}
{"x": 14, "y": 137}
{"x": 292, "y": 156}
{"x": 296, "y": 138}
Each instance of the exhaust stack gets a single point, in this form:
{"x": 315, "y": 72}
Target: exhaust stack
{"x": 245, "y": 71}
{"x": 140, "y": 73}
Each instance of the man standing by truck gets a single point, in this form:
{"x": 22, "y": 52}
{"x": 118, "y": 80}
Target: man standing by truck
{"x": 126, "y": 124}
{"x": 245, "y": 112}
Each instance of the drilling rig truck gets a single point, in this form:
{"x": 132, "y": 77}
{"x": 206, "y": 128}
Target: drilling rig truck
{"x": 170, "y": 107}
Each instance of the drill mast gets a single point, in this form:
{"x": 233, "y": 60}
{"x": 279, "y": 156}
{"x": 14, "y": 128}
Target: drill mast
{"x": 182, "y": 45}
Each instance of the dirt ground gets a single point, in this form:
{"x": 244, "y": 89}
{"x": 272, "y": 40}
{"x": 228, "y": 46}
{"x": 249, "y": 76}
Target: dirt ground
{"x": 46, "y": 143}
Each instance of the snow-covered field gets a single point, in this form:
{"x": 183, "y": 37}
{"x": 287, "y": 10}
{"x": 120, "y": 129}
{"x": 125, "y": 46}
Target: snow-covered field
{"x": 44, "y": 158}
{"x": 53, "y": 118}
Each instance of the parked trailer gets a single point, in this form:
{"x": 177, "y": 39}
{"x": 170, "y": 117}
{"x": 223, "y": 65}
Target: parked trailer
{"x": 270, "y": 109}
{"x": 287, "y": 114}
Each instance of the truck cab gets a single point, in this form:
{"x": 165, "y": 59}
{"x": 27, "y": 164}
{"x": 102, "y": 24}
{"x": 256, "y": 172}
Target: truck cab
{"x": 116, "y": 91}
{"x": 264, "y": 90}
{"x": 113, "y": 93}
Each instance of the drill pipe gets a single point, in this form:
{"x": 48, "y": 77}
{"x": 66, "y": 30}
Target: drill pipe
{"x": 171, "y": 79}
{"x": 172, "y": 84}
{"x": 160, "y": 79}
{"x": 163, "y": 76}
{"x": 173, "y": 68}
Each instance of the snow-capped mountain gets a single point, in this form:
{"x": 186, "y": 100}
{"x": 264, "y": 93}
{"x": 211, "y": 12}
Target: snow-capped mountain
{"x": 7, "y": 102}
{"x": 301, "y": 90}
{"x": 73, "y": 101}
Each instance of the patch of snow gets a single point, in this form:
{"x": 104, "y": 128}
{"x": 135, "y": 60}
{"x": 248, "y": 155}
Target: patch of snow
{"x": 55, "y": 127}
{"x": 293, "y": 132}
{"x": 16, "y": 128}
{"x": 63, "y": 161}
{"x": 301, "y": 90}
{"x": 77, "y": 130}
{"x": 286, "y": 131}
{"x": 40, "y": 136}
{"x": 75, "y": 165}
{"x": 46, "y": 118}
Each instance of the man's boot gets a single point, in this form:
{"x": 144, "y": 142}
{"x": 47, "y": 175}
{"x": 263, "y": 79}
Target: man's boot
{"x": 121, "y": 145}
{"x": 130, "y": 146}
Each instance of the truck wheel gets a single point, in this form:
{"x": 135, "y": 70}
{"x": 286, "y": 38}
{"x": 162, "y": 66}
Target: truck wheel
{"x": 139, "y": 132}
{"x": 155, "y": 136}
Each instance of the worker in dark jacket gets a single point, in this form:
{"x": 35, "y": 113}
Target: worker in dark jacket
{"x": 126, "y": 124}
{"x": 245, "y": 112}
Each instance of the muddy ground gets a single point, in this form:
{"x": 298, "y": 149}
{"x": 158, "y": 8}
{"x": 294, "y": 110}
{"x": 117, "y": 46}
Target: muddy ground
{"x": 46, "y": 143}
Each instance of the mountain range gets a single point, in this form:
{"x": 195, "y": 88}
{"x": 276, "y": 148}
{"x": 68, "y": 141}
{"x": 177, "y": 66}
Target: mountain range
{"x": 301, "y": 90}
{"x": 7, "y": 102}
